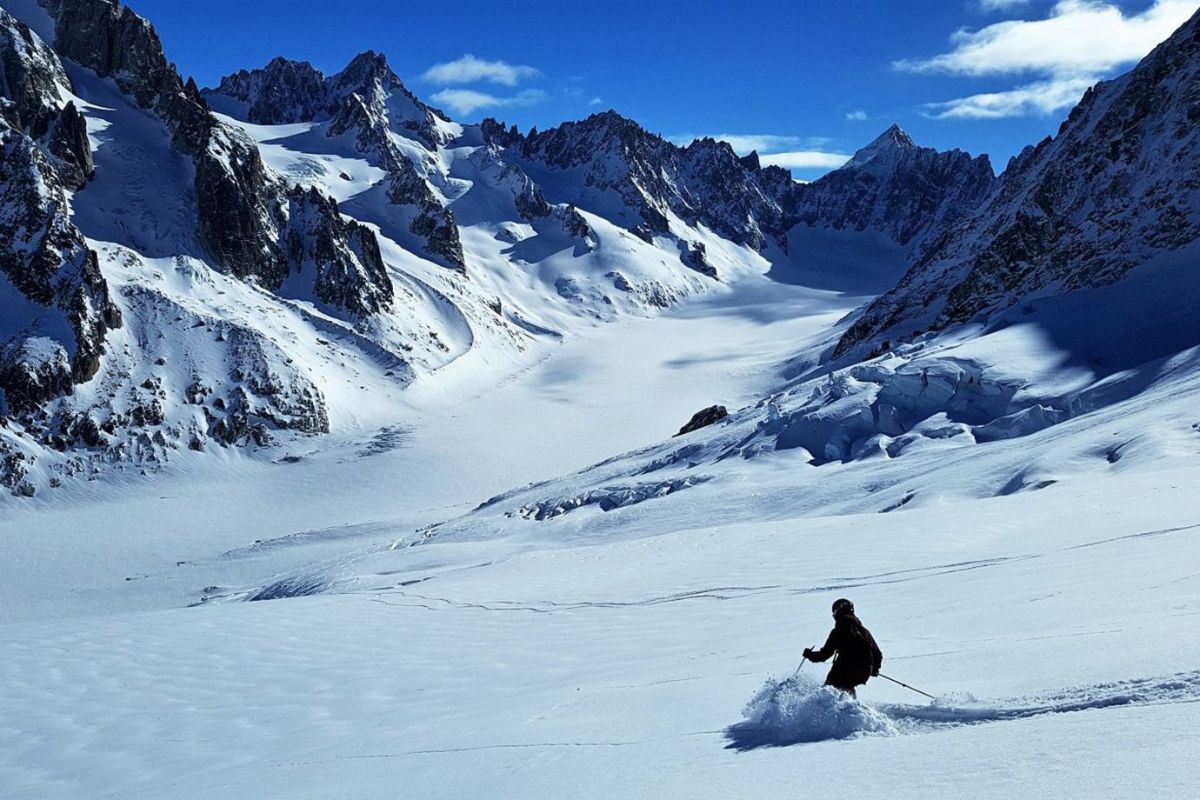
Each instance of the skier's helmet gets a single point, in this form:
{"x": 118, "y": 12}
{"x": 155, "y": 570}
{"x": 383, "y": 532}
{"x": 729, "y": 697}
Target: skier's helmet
{"x": 842, "y": 606}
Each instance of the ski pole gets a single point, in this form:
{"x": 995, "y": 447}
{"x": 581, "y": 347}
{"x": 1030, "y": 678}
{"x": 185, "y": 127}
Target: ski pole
{"x": 797, "y": 672}
{"x": 906, "y": 686}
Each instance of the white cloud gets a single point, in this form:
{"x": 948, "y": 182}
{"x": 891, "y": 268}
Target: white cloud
{"x": 595, "y": 101}
{"x": 804, "y": 159}
{"x": 1079, "y": 36}
{"x": 790, "y": 152}
{"x": 466, "y": 101}
{"x": 1002, "y": 5}
{"x": 470, "y": 69}
{"x": 1039, "y": 98}
{"x": 856, "y": 116}
{"x": 743, "y": 143}
{"x": 1077, "y": 44}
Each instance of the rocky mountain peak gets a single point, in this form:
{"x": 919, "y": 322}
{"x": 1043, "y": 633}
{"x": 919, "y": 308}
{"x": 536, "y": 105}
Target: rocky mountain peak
{"x": 894, "y": 186}
{"x": 1118, "y": 187}
{"x": 888, "y": 146}
{"x": 365, "y": 69}
{"x": 282, "y": 91}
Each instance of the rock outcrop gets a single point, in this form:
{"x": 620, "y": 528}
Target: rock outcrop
{"x": 892, "y": 186}
{"x": 243, "y": 208}
{"x": 34, "y": 92}
{"x": 57, "y": 307}
{"x": 283, "y": 91}
{"x": 431, "y": 221}
{"x": 703, "y": 418}
{"x": 368, "y": 103}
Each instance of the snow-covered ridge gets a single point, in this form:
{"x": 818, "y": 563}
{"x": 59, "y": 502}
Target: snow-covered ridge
{"x": 305, "y": 220}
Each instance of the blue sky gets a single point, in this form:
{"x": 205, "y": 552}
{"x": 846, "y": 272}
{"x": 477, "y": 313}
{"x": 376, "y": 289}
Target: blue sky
{"x": 805, "y": 82}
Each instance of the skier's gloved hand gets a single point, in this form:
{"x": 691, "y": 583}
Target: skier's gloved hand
{"x": 808, "y": 653}
{"x": 875, "y": 672}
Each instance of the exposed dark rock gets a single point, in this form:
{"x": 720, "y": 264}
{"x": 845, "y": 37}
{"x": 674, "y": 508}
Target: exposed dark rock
{"x": 33, "y": 86}
{"x": 1119, "y": 184}
{"x": 239, "y": 209}
{"x": 69, "y": 147}
{"x": 910, "y": 193}
{"x": 705, "y": 182}
{"x": 244, "y": 210}
{"x": 44, "y": 256}
{"x": 694, "y": 255}
{"x": 14, "y": 467}
{"x": 907, "y": 192}
{"x": 432, "y": 222}
{"x": 344, "y": 255}
{"x": 704, "y": 418}
{"x": 282, "y": 91}
{"x": 366, "y": 98}
{"x": 32, "y": 371}
{"x": 527, "y": 196}
{"x": 441, "y": 237}
{"x": 575, "y": 225}
{"x": 43, "y": 151}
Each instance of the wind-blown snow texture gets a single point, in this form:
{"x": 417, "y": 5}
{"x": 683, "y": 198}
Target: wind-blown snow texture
{"x": 344, "y": 445}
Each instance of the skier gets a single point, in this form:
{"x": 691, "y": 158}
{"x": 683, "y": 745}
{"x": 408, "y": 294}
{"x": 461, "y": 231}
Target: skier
{"x": 856, "y": 657}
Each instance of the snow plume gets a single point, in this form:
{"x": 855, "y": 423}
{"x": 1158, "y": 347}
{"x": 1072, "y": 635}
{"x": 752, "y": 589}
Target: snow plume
{"x": 796, "y": 710}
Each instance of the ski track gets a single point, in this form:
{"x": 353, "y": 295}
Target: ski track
{"x": 780, "y": 725}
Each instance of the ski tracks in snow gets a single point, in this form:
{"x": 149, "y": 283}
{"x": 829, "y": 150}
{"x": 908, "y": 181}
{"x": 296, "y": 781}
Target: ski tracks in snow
{"x": 796, "y": 711}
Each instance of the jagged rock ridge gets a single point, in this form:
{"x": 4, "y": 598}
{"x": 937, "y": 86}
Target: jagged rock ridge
{"x": 1117, "y": 187}
{"x": 52, "y": 336}
{"x": 893, "y": 186}
{"x": 243, "y": 210}
{"x": 368, "y": 103}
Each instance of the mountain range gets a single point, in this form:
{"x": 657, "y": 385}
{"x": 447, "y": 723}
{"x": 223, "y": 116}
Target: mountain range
{"x": 281, "y": 255}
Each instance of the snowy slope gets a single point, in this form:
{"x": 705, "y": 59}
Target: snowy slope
{"x": 461, "y": 553}
{"x": 603, "y": 653}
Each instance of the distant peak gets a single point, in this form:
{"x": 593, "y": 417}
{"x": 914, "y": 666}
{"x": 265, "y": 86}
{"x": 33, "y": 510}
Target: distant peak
{"x": 368, "y": 57}
{"x": 365, "y": 66}
{"x": 609, "y": 117}
{"x": 888, "y": 144}
{"x": 894, "y": 136}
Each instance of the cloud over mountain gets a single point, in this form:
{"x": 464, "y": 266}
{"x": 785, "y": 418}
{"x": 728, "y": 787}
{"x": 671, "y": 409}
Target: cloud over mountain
{"x": 1072, "y": 48}
{"x": 469, "y": 69}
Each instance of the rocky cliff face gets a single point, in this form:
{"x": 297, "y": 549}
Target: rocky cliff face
{"x": 893, "y": 186}
{"x": 52, "y": 334}
{"x": 243, "y": 209}
{"x": 1117, "y": 187}
{"x": 57, "y": 305}
{"x": 368, "y": 103}
{"x": 366, "y": 98}
{"x": 282, "y": 91}
{"x": 104, "y": 352}
{"x": 34, "y": 99}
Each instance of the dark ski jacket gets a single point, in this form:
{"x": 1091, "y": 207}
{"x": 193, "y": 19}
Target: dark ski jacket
{"x": 856, "y": 657}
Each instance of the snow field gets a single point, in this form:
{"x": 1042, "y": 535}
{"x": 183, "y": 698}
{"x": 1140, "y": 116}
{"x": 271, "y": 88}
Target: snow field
{"x": 622, "y": 667}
